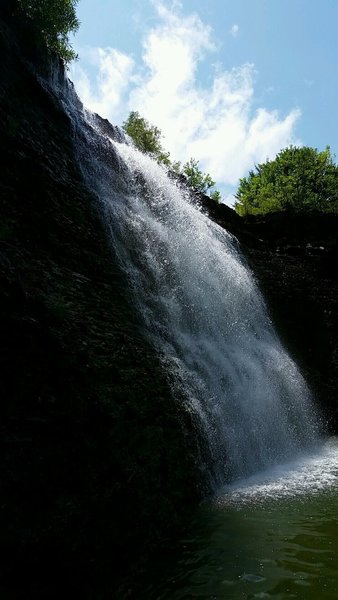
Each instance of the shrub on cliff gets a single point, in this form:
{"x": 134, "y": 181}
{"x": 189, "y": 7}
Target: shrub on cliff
{"x": 53, "y": 21}
{"x": 199, "y": 181}
{"x": 299, "y": 179}
{"x": 147, "y": 138}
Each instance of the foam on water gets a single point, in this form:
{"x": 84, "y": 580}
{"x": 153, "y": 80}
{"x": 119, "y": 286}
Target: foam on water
{"x": 311, "y": 473}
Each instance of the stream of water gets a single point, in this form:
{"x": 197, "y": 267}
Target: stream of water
{"x": 204, "y": 314}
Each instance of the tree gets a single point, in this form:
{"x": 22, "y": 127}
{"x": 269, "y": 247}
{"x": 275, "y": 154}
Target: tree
{"x": 146, "y": 137}
{"x": 199, "y": 181}
{"x": 299, "y": 179}
{"x": 53, "y": 21}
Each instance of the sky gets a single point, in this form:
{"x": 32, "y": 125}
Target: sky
{"x": 228, "y": 82}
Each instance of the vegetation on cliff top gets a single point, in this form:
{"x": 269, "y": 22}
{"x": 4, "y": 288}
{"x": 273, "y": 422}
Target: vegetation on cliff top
{"x": 299, "y": 179}
{"x": 147, "y": 138}
{"x": 53, "y": 21}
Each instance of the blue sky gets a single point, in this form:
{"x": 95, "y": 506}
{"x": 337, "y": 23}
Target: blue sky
{"x": 229, "y": 82}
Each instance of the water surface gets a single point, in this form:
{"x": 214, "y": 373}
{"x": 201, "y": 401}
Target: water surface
{"x": 274, "y": 535}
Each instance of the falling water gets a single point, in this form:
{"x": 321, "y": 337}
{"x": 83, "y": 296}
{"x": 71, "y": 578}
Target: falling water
{"x": 201, "y": 309}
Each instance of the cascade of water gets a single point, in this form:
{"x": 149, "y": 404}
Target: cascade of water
{"x": 202, "y": 310}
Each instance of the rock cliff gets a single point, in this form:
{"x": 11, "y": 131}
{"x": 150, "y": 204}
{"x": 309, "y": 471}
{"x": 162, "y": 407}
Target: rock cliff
{"x": 98, "y": 462}
{"x": 294, "y": 258}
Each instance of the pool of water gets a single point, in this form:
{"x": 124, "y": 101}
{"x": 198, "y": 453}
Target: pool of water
{"x": 274, "y": 535}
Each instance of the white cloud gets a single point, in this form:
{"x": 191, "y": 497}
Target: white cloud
{"x": 234, "y": 30}
{"x": 215, "y": 123}
{"x": 104, "y": 93}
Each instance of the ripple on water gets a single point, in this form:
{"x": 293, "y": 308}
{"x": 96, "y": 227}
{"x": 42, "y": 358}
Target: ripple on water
{"x": 252, "y": 578}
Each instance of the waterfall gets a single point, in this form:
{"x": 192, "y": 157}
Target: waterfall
{"x": 201, "y": 309}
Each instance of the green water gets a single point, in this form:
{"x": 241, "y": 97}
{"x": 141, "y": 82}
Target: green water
{"x": 272, "y": 538}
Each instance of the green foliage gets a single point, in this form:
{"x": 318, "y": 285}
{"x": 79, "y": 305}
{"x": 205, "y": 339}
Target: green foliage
{"x": 53, "y": 20}
{"x": 195, "y": 178}
{"x": 216, "y": 196}
{"x": 199, "y": 181}
{"x": 147, "y": 138}
{"x": 299, "y": 179}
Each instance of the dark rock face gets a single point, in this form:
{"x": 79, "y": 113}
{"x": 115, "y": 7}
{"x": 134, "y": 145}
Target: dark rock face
{"x": 297, "y": 268}
{"x": 97, "y": 461}
{"x": 294, "y": 258}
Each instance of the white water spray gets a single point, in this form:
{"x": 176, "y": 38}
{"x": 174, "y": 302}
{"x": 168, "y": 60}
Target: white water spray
{"x": 201, "y": 309}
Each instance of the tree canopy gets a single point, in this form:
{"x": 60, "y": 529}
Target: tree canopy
{"x": 199, "y": 181}
{"x": 147, "y": 138}
{"x": 299, "y": 179}
{"x": 53, "y": 21}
